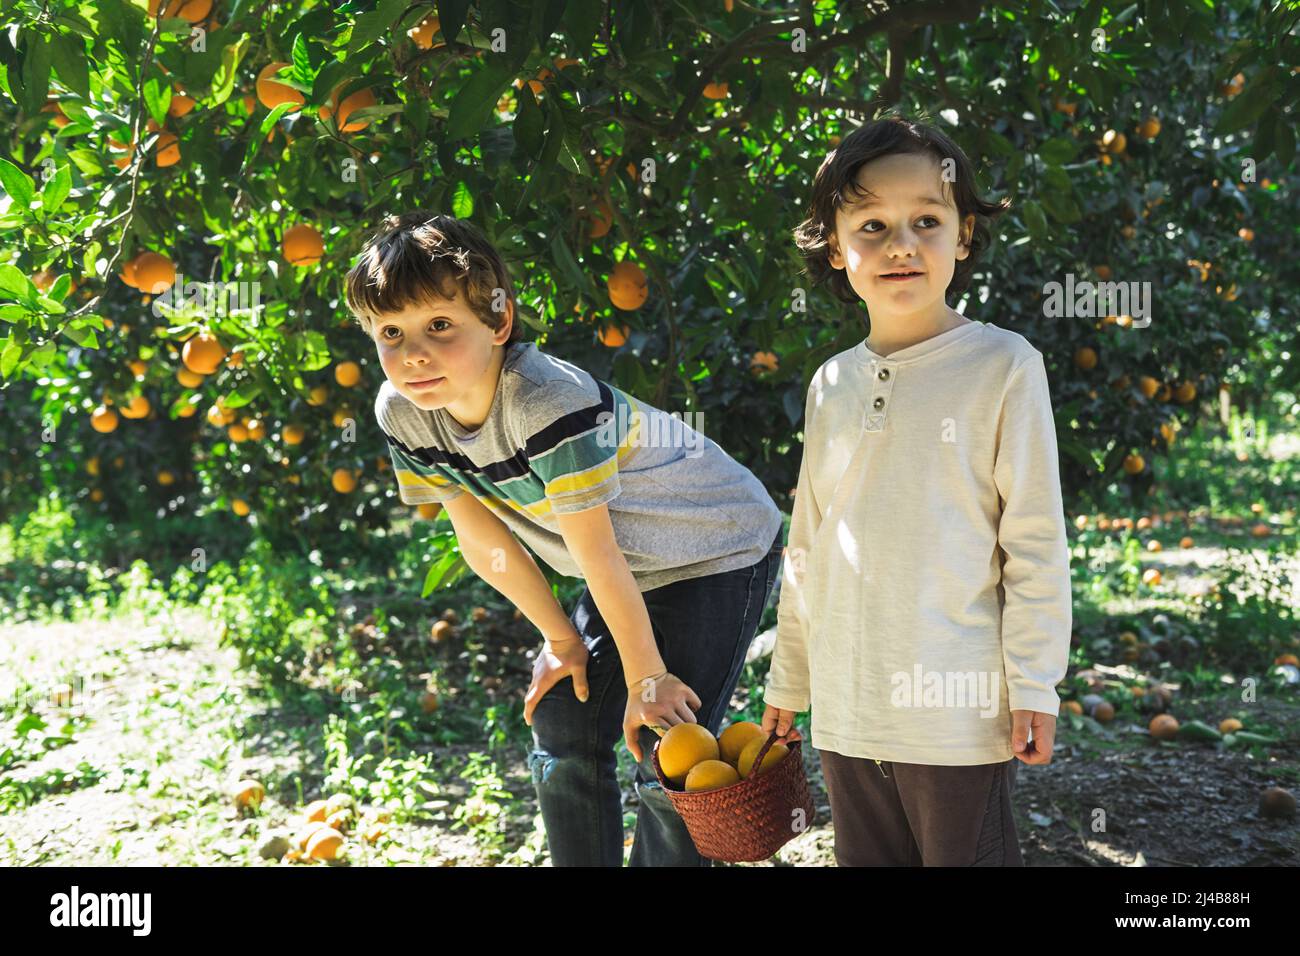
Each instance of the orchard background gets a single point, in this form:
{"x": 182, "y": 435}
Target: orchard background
{"x": 188, "y": 436}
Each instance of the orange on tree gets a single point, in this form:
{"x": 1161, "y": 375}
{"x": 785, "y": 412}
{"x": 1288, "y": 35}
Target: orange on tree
{"x": 1184, "y": 393}
{"x": 341, "y": 416}
{"x": 192, "y": 10}
{"x": 423, "y": 32}
{"x": 256, "y": 430}
{"x": 303, "y": 245}
{"x": 628, "y": 287}
{"x": 165, "y": 478}
{"x": 1134, "y": 464}
{"x": 187, "y": 410}
{"x": 236, "y": 359}
{"x": 202, "y": 353}
{"x": 137, "y": 407}
{"x": 167, "y": 151}
{"x": 180, "y": 105}
{"x": 103, "y": 419}
{"x": 1085, "y": 358}
{"x": 318, "y": 395}
{"x": 293, "y": 434}
{"x": 343, "y": 480}
{"x": 715, "y": 91}
{"x": 347, "y": 374}
{"x": 137, "y": 367}
{"x": 1150, "y": 128}
{"x": 1113, "y": 141}
{"x": 1246, "y": 234}
{"x": 272, "y": 92}
{"x": 1103, "y": 272}
{"x": 237, "y": 432}
{"x": 188, "y": 378}
{"x": 153, "y": 272}
{"x": 1148, "y": 386}
{"x": 763, "y": 362}
{"x": 97, "y": 494}
{"x": 240, "y": 507}
{"x": 613, "y": 336}
{"x": 601, "y": 219}
{"x": 339, "y": 112}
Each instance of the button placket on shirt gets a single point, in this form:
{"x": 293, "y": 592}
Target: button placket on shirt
{"x": 882, "y": 386}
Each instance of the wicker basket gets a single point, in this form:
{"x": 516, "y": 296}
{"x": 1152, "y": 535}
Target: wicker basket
{"x": 747, "y": 821}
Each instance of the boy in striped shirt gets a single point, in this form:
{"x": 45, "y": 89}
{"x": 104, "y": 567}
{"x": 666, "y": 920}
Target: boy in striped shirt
{"x": 678, "y": 543}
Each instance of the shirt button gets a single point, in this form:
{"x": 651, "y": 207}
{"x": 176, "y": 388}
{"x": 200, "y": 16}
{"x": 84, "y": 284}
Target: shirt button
{"x": 879, "y": 403}
{"x": 884, "y": 374}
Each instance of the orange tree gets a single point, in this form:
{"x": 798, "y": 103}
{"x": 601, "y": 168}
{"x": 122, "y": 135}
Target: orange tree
{"x": 185, "y": 188}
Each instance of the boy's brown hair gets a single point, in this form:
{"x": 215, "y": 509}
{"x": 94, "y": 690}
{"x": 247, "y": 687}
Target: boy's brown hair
{"x": 835, "y": 186}
{"x": 421, "y": 255}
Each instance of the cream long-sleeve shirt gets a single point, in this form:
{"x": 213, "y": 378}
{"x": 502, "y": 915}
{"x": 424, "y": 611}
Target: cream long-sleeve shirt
{"x": 926, "y": 580}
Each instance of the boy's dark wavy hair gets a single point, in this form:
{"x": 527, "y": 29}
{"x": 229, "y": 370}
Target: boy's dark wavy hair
{"x": 835, "y": 186}
{"x": 421, "y": 255}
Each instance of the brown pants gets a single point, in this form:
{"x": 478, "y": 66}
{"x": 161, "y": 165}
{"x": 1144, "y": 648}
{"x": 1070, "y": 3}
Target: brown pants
{"x": 907, "y": 814}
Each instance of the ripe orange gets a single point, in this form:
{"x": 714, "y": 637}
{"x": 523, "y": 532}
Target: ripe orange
{"x": 153, "y": 272}
{"x": 341, "y": 416}
{"x": 1151, "y": 577}
{"x": 303, "y": 245}
{"x": 343, "y": 480}
{"x": 601, "y": 219}
{"x": 249, "y": 793}
{"x": 324, "y": 843}
{"x": 137, "y": 407}
{"x": 1150, "y": 128}
{"x": 318, "y": 395}
{"x": 422, "y": 33}
{"x": 1148, "y": 386}
{"x": 1134, "y": 464}
{"x": 1085, "y": 358}
{"x": 339, "y": 112}
{"x": 628, "y": 287}
{"x": 237, "y": 432}
{"x": 736, "y": 737}
{"x": 188, "y": 378}
{"x": 272, "y": 92}
{"x": 138, "y": 368}
{"x": 1113, "y": 141}
{"x": 293, "y": 434}
{"x": 166, "y": 478}
{"x": 202, "y": 353}
{"x": 715, "y": 91}
{"x": 612, "y": 337}
{"x": 347, "y": 374}
{"x": 1186, "y": 542}
{"x": 1185, "y": 393}
{"x": 1229, "y": 725}
{"x": 710, "y": 775}
{"x": 167, "y": 152}
{"x": 103, "y": 420}
{"x": 240, "y": 507}
{"x": 180, "y": 105}
{"x": 192, "y": 10}
{"x": 745, "y": 763}
{"x": 1103, "y": 272}
{"x": 682, "y": 747}
{"x": 428, "y": 702}
{"x": 763, "y": 361}
{"x": 1163, "y": 727}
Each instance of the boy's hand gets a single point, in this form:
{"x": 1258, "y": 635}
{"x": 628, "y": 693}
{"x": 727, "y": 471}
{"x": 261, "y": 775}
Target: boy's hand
{"x": 1044, "y": 730}
{"x": 559, "y": 658}
{"x": 657, "y": 704}
{"x": 782, "y": 721}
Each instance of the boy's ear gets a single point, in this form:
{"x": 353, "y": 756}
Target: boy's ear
{"x": 833, "y": 252}
{"x": 503, "y": 334}
{"x": 964, "y": 240}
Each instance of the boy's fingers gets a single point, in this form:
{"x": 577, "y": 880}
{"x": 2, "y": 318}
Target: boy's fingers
{"x": 580, "y": 682}
{"x": 693, "y": 699}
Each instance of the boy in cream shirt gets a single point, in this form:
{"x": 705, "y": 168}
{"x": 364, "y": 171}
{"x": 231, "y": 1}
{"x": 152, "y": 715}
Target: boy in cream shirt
{"x": 925, "y": 611}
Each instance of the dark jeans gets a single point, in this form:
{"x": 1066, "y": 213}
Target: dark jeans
{"x": 908, "y": 814}
{"x": 703, "y": 628}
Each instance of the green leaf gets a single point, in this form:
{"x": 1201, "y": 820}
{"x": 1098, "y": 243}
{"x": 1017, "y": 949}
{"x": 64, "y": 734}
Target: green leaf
{"x": 35, "y": 73}
{"x": 371, "y": 26}
{"x": 62, "y": 285}
{"x": 43, "y": 355}
{"x": 302, "y": 70}
{"x": 242, "y": 395}
{"x": 1035, "y": 221}
{"x": 223, "y": 83}
{"x": 68, "y": 57}
{"x": 56, "y": 190}
{"x": 462, "y": 202}
{"x": 1058, "y": 151}
{"x": 1250, "y": 104}
{"x": 13, "y": 351}
{"x": 157, "y": 97}
{"x": 15, "y": 285}
{"x": 565, "y": 260}
{"x": 85, "y": 337}
{"x": 1284, "y": 140}
{"x": 17, "y": 184}
{"x": 255, "y": 142}
{"x": 477, "y": 98}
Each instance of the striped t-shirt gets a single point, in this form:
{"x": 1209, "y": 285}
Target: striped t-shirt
{"x": 556, "y": 441}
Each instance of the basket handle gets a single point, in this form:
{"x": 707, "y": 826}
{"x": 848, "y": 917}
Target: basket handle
{"x": 762, "y": 751}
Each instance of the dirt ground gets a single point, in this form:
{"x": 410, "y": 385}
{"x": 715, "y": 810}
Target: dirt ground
{"x": 173, "y": 720}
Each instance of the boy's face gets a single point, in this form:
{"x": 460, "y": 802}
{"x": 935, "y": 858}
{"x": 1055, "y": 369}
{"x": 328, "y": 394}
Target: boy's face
{"x": 897, "y": 228}
{"x": 438, "y": 353}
